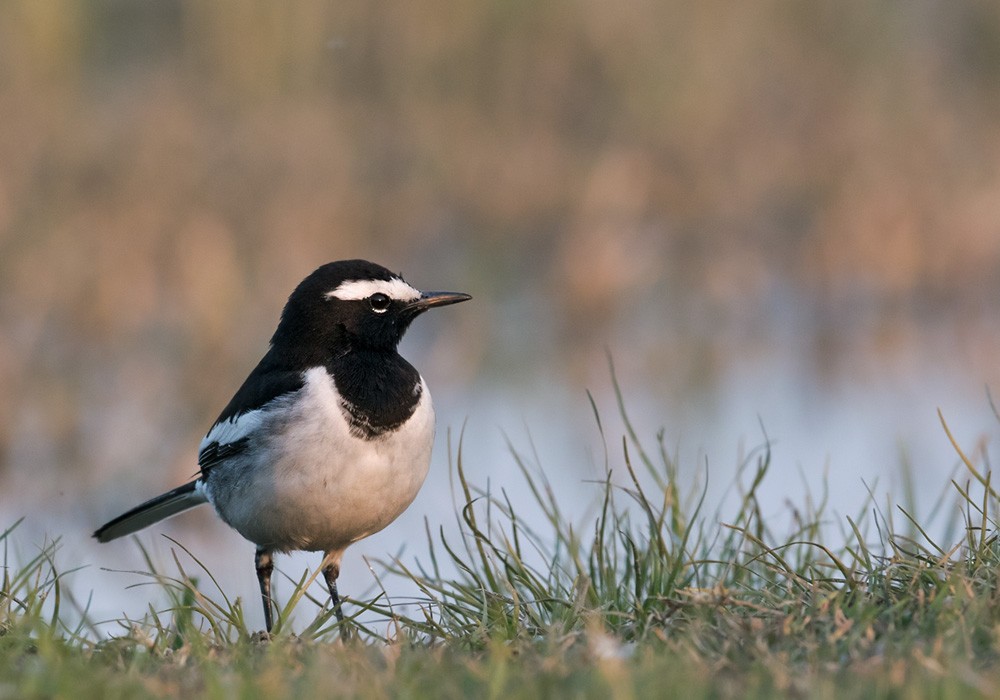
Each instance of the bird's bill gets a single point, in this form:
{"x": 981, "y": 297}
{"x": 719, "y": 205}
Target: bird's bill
{"x": 428, "y": 300}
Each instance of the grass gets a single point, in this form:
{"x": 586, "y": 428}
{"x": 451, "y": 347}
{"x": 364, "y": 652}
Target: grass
{"x": 648, "y": 596}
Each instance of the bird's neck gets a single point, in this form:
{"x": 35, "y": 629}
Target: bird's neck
{"x": 379, "y": 389}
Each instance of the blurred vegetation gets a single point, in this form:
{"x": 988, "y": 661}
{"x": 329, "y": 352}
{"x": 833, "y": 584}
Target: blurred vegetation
{"x": 681, "y": 175}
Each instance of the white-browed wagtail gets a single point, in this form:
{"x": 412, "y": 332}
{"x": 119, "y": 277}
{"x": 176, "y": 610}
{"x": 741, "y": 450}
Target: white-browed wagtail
{"x": 329, "y": 438}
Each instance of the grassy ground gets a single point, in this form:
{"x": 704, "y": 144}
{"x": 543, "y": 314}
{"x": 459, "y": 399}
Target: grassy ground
{"x": 651, "y": 597}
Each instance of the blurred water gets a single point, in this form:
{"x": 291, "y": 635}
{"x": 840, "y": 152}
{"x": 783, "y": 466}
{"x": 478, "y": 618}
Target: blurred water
{"x": 837, "y": 438}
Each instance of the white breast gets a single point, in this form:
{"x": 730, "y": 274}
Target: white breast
{"x": 308, "y": 484}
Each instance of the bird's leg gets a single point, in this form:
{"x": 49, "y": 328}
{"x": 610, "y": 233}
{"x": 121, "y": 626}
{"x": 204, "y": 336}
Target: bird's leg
{"x": 331, "y": 570}
{"x": 265, "y": 565}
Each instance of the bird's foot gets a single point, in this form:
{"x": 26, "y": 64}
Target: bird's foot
{"x": 260, "y": 638}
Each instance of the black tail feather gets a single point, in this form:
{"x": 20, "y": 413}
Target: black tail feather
{"x": 152, "y": 511}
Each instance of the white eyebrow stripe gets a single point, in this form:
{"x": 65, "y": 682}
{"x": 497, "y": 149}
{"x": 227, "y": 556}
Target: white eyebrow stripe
{"x": 395, "y": 288}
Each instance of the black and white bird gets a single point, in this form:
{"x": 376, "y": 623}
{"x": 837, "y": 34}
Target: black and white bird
{"x": 329, "y": 438}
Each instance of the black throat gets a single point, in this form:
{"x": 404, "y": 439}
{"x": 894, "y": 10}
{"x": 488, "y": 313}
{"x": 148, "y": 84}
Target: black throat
{"x": 379, "y": 390}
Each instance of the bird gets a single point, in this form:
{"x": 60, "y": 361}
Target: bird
{"x": 328, "y": 440}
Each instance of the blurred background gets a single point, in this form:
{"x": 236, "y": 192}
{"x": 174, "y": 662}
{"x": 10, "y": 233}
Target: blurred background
{"x": 776, "y": 216}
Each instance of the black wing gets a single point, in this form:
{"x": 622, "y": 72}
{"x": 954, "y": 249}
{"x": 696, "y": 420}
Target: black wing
{"x": 263, "y": 386}
{"x": 215, "y": 453}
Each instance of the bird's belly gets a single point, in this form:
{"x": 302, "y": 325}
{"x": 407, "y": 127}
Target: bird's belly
{"x": 327, "y": 488}
{"x": 328, "y": 504}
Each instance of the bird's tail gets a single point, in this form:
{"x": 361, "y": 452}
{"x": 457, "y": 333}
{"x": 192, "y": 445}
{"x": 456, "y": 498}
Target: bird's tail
{"x": 152, "y": 511}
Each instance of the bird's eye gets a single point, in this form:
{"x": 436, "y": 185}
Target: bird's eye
{"x": 379, "y": 302}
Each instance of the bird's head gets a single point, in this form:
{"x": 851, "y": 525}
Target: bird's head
{"x": 354, "y": 304}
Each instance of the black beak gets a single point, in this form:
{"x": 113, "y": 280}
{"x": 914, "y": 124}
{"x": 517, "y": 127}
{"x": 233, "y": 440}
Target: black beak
{"x": 428, "y": 300}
